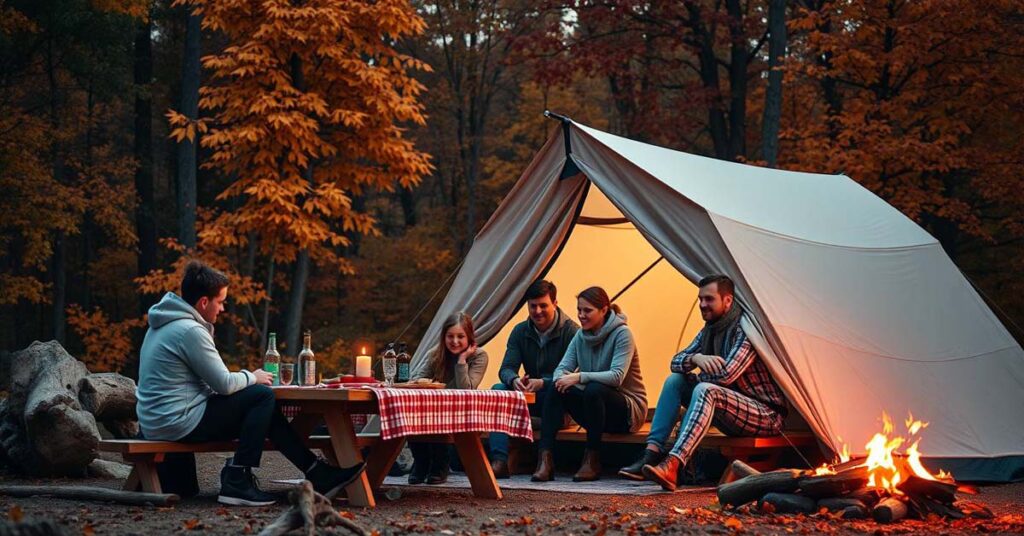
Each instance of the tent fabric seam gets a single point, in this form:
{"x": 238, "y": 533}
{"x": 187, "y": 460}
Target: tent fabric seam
{"x": 818, "y": 243}
{"x": 892, "y": 357}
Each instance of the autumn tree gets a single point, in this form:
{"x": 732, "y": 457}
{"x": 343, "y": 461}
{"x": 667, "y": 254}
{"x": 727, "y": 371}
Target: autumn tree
{"x": 305, "y": 107}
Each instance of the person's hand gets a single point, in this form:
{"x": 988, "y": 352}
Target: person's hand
{"x": 528, "y": 384}
{"x": 263, "y": 377}
{"x": 711, "y": 364}
{"x": 466, "y": 353}
{"x": 565, "y": 382}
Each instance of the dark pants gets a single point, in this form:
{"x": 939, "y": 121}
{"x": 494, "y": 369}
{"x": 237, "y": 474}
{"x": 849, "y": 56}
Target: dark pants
{"x": 597, "y": 408}
{"x": 433, "y": 458}
{"x": 251, "y": 415}
{"x": 499, "y": 442}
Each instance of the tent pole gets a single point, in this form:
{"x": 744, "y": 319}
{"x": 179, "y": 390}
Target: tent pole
{"x": 637, "y": 278}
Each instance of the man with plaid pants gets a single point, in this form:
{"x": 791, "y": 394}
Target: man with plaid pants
{"x": 720, "y": 380}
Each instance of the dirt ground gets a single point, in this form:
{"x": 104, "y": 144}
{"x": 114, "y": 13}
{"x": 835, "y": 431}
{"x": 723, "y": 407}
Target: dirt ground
{"x": 439, "y": 511}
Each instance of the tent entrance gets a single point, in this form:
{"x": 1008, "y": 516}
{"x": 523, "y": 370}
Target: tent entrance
{"x": 605, "y": 249}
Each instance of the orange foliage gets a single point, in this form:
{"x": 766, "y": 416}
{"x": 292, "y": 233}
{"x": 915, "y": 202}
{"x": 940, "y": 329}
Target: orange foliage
{"x": 108, "y": 345}
{"x": 305, "y": 106}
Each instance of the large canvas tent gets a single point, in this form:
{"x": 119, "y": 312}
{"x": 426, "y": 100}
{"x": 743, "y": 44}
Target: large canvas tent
{"x": 855, "y": 309}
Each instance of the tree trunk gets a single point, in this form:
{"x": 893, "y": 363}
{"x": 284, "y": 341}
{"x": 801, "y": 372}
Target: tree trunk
{"x": 190, "y": 77}
{"x": 145, "y": 219}
{"x": 738, "y": 62}
{"x": 266, "y": 305}
{"x": 709, "y": 80}
{"x": 408, "y": 202}
{"x": 58, "y": 262}
{"x": 773, "y": 93}
{"x": 293, "y": 318}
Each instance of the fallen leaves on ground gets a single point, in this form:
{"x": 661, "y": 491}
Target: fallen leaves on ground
{"x": 15, "y": 514}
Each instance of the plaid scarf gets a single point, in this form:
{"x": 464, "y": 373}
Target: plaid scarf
{"x": 717, "y": 336}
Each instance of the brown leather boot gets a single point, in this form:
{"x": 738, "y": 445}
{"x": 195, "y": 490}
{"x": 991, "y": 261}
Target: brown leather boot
{"x": 664, "y": 473}
{"x": 545, "y": 467}
{"x": 500, "y": 469}
{"x": 590, "y": 469}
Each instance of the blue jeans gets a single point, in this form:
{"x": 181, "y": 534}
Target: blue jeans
{"x": 499, "y": 442}
{"x": 674, "y": 392}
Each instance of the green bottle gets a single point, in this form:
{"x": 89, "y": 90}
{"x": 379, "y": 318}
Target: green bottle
{"x": 272, "y": 360}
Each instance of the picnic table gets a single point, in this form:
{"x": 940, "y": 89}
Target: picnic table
{"x": 336, "y": 406}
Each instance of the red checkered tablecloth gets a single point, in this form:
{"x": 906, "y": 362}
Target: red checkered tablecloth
{"x": 405, "y": 412}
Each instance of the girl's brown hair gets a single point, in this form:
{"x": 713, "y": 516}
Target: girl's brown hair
{"x": 597, "y": 297}
{"x": 462, "y": 319}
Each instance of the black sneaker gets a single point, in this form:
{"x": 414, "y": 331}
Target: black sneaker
{"x": 634, "y": 471}
{"x": 418, "y": 475}
{"x": 239, "y": 487}
{"x": 328, "y": 480}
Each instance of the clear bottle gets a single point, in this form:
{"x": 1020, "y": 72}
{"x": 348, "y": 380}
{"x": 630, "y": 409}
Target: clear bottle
{"x": 389, "y": 362}
{"x": 307, "y": 360}
{"x": 272, "y": 359}
{"x": 404, "y": 363}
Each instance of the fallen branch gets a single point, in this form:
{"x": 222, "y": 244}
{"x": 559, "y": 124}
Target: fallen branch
{"x": 889, "y": 510}
{"x": 824, "y": 486}
{"x": 89, "y": 493}
{"x": 309, "y": 510}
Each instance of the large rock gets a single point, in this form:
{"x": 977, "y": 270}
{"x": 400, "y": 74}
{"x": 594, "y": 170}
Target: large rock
{"x": 44, "y": 428}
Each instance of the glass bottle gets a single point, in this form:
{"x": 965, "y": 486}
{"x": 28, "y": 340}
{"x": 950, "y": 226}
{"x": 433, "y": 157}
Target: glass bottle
{"x": 272, "y": 359}
{"x": 404, "y": 362}
{"x": 389, "y": 362}
{"x": 307, "y": 360}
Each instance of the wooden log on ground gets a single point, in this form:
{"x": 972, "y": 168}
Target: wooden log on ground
{"x": 788, "y": 503}
{"x": 923, "y": 506}
{"x": 944, "y": 492}
{"x": 309, "y": 510}
{"x": 868, "y": 496}
{"x": 889, "y": 510}
{"x": 108, "y": 396}
{"x": 91, "y": 493}
{"x": 754, "y": 487}
{"x": 849, "y": 508}
{"x": 737, "y": 470}
{"x": 835, "y": 485}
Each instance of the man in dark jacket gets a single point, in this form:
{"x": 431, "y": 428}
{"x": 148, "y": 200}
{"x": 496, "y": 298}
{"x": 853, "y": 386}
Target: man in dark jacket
{"x": 537, "y": 346}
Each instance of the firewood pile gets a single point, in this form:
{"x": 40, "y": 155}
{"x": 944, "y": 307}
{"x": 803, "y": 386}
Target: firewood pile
{"x": 847, "y": 492}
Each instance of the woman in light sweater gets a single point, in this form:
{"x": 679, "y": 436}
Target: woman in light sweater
{"x": 459, "y": 364}
{"x": 598, "y": 382}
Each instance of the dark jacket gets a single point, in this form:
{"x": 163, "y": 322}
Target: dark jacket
{"x": 524, "y": 350}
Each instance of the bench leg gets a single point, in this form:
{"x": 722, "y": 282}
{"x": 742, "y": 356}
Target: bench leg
{"x": 474, "y": 460}
{"x": 382, "y": 457}
{"x": 143, "y": 475}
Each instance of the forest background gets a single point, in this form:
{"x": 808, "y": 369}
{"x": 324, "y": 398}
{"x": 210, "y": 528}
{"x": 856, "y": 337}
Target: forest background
{"x": 337, "y": 158}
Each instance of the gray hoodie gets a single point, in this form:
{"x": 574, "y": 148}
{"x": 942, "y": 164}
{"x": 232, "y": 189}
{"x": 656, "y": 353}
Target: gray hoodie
{"x": 179, "y": 369}
{"x": 609, "y": 356}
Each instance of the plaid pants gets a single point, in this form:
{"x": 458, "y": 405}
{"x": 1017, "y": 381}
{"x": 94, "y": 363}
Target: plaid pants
{"x": 733, "y": 413}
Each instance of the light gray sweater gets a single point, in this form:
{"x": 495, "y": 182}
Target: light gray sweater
{"x": 179, "y": 369}
{"x": 608, "y": 356}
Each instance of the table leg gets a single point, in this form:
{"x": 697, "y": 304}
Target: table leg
{"x": 343, "y": 439}
{"x": 382, "y": 457}
{"x": 474, "y": 461}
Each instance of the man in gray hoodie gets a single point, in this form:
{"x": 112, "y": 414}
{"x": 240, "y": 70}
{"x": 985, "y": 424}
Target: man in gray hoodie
{"x": 187, "y": 394}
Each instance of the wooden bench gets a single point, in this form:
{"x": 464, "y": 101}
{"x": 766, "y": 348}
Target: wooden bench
{"x": 144, "y": 454}
{"x": 761, "y": 453}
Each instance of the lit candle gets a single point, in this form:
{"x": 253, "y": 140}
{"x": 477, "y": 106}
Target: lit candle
{"x": 363, "y": 365}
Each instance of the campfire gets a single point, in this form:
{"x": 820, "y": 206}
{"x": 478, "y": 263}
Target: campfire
{"x": 887, "y": 484}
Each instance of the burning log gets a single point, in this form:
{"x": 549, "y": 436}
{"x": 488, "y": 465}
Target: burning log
{"x": 754, "y": 487}
{"x": 737, "y": 470}
{"x": 944, "y": 492}
{"x": 824, "y": 486}
{"x": 788, "y": 503}
{"x": 888, "y": 510}
{"x": 849, "y": 508}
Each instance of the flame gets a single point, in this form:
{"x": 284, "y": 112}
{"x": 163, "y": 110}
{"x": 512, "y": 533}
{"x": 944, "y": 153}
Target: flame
{"x": 824, "y": 470}
{"x": 362, "y": 351}
{"x": 844, "y": 456}
{"x": 887, "y": 467}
